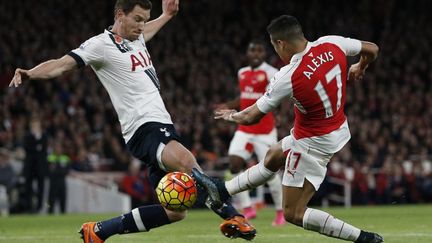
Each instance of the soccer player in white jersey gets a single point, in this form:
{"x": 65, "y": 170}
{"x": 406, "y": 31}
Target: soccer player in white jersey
{"x": 122, "y": 63}
{"x": 315, "y": 80}
{"x": 253, "y": 80}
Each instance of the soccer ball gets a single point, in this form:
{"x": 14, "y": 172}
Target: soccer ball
{"x": 177, "y": 191}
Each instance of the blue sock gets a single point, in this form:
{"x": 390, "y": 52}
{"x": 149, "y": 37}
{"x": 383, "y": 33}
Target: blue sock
{"x": 226, "y": 211}
{"x": 138, "y": 220}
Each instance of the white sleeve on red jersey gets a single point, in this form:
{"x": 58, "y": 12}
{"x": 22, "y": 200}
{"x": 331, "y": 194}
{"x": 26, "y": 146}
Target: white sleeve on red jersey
{"x": 351, "y": 47}
{"x": 91, "y": 51}
{"x": 280, "y": 87}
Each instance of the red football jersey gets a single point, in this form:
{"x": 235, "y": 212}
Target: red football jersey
{"x": 315, "y": 80}
{"x": 253, "y": 84}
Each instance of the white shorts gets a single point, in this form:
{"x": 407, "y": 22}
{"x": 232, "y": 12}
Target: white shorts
{"x": 303, "y": 162}
{"x": 244, "y": 144}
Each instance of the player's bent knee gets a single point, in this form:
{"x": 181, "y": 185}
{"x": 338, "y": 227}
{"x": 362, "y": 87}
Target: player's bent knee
{"x": 175, "y": 216}
{"x": 289, "y": 214}
{"x": 298, "y": 216}
{"x": 185, "y": 163}
{"x": 275, "y": 158}
{"x": 294, "y": 215}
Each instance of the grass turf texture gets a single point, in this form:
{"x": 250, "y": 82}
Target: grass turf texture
{"x": 396, "y": 223}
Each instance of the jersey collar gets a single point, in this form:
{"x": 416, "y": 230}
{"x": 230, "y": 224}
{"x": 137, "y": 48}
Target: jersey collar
{"x": 299, "y": 55}
{"x": 118, "y": 38}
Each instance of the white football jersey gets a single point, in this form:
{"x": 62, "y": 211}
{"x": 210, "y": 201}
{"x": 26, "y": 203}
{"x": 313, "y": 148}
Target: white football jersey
{"x": 126, "y": 71}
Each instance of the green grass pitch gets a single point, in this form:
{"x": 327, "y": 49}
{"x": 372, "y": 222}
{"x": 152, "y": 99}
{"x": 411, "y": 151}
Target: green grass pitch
{"x": 396, "y": 223}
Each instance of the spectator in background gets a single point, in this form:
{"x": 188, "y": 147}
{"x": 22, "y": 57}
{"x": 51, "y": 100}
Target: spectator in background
{"x": 82, "y": 162}
{"x": 58, "y": 169}
{"x": 398, "y": 185}
{"x": 35, "y": 163}
{"x": 424, "y": 180}
{"x": 360, "y": 190}
{"x": 382, "y": 192}
{"x": 7, "y": 180}
{"x": 136, "y": 184}
{"x": 7, "y": 174}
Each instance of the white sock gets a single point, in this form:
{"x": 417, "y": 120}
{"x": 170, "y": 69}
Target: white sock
{"x": 250, "y": 178}
{"x": 322, "y": 222}
{"x": 275, "y": 186}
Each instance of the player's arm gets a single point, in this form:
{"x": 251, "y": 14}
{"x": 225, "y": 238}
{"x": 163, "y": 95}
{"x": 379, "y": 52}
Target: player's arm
{"x": 46, "y": 70}
{"x": 248, "y": 116}
{"x": 169, "y": 9}
{"x": 368, "y": 54}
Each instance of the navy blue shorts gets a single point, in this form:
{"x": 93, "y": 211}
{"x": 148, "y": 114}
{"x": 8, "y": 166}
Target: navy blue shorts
{"x": 144, "y": 145}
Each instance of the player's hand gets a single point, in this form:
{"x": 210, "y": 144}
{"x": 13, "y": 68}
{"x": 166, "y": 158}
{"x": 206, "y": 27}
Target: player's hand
{"x": 20, "y": 76}
{"x": 225, "y": 114}
{"x": 170, "y": 7}
{"x": 356, "y": 72}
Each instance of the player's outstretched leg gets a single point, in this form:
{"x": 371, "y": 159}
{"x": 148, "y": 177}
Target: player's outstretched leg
{"x": 138, "y": 220}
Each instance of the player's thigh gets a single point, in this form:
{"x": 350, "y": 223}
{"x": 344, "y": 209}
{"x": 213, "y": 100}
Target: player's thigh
{"x": 304, "y": 163}
{"x": 175, "y": 157}
{"x": 241, "y": 145}
{"x": 153, "y": 139}
{"x": 262, "y": 143}
{"x": 275, "y": 157}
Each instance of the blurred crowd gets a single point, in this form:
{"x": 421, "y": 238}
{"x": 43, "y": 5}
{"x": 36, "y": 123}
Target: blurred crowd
{"x": 197, "y": 56}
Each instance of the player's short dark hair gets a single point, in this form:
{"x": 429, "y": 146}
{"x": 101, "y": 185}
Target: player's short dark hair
{"x": 128, "y": 5}
{"x": 285, "y": 27}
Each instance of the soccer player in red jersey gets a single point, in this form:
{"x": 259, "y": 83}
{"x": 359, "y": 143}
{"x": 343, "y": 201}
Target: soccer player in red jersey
{"x": 315, "y": 80}
{"x": 253, "y": 80}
